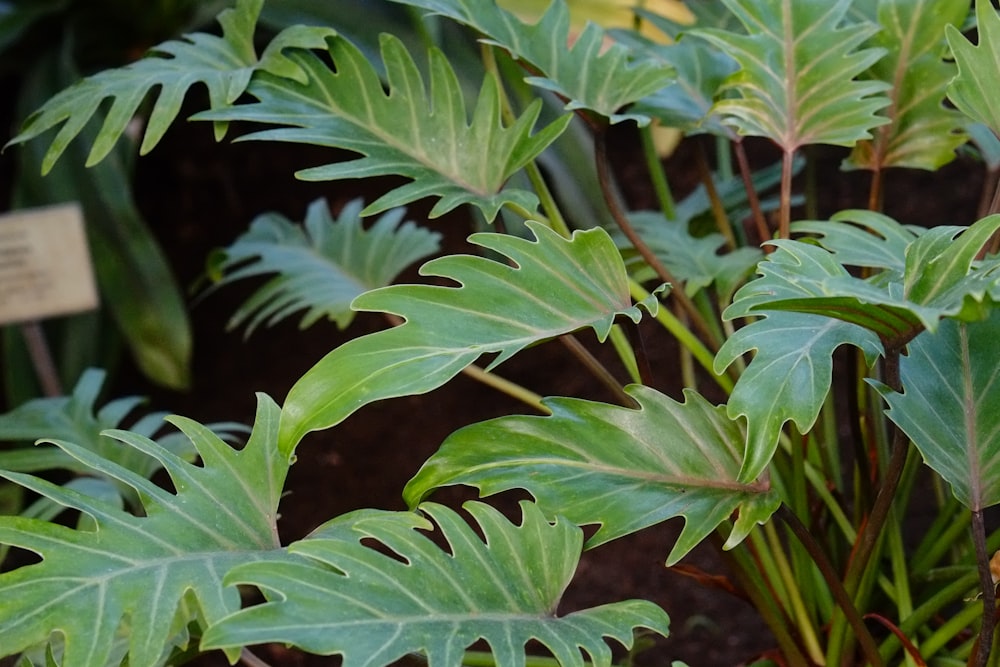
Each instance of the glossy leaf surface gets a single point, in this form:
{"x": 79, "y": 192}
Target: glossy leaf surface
{"x": 557, "y": 286}
{"x": 373, "y": 609}
{"x": 592, "y": 73}
{"x": 622, "y": 469}
{"x": 320, "y": 265}
{"x": 798, "y": 62}
{"x": 789, "y": 377}
{"x": 409, "y": 130}
{"x": 143, "y": 570}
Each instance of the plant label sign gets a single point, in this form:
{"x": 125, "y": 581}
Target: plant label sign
{"x": 45, "y": 267}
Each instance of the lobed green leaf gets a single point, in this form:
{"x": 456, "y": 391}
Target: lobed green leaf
{"x": 143, "y": 571}
{"x": 590, "y": 74}
{"x": 321, "y": 265}
{"x": 373, "y": 608}
{"x": 973, "y": 90}
{"x": 797, "y": 83}
{"x": 922, "y": 133}
{"x": 405, "y": 131}
{"x": 950, "y": 406}
{"x": 789, "y": 377}
{"x": 555, "y": 286}
{"x": 224, "y": 64}
{"x": 620, "y": 468}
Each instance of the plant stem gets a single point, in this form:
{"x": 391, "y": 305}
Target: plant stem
{"x": 604, "y": 176}
{"x": 41, "y": 359}
{"x": 875, "y": 192}
{"x": 722, "y": 222}
{"x": 248, "y": 657}
{"x": 505, "y": 386}
{"x": 844, "y": 600}
{"x": 684, "y": 336}
{"x": 785, "y": 210}
{"x": 988, "y": 587}
{"x": 766, "y": 604}
{"x": 660, "y": 185}
{"x": 597, "y": 369}
{"x": 758, "y": 214}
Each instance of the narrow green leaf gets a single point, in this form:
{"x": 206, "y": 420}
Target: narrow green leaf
{"x": 373, "y": 609}
{"x": 622, "y": 469}
{"x": 321, "y": 265}
{"x": 592, "y": 74}
{"x": 974, "y": 89}
{"x": 797, "y": 84}
{"x": 922, "y": 132}
{"x": 407, "y": 131}
{"x": 556, "y": 286}
{"x": 950, "y": 406}
{"x": 223, "y": 64}
{"x": 141, "y": 569}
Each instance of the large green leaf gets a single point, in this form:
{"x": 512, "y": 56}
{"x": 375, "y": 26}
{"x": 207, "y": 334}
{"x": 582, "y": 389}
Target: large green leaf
{"x": 407, "y": 131}
{"x": 373, "y": 608}
{"x": 322, "y": 264}
{"x": 950, "y": 406}
{"x": 973, "y": 91}
{"x": 797, "y": 82}
{"x": 592, "y": 74}
{"x": 789, "y": 377}
{"x": 620, "y": 468}
{"x": 223, "y": 64}
{"x": 143, "y": 572}
{"x": 556, "y": 286}
{"x": 923, "y": 133}
{"x": 940, "y": 278}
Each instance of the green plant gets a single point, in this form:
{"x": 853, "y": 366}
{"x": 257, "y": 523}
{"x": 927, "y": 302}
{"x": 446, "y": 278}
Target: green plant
{"x": 807, "y": 491}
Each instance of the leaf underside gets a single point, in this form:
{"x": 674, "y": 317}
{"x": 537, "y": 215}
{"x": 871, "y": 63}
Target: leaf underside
{"x": 347, "y": 598}
{"x": 812, "y": 305}
{"x": 798, "y": 62}
{"x": 923, "y": 133}
{"x": 619, "y": 468}
{"x": 950, "y": 406}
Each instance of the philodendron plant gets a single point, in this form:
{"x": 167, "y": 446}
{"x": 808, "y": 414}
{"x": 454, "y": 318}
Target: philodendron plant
{"x": 807, "y": 488}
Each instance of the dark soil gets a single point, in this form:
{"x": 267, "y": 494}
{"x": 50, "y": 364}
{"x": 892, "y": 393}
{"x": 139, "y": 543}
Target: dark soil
{"x": 199, "y": 196}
